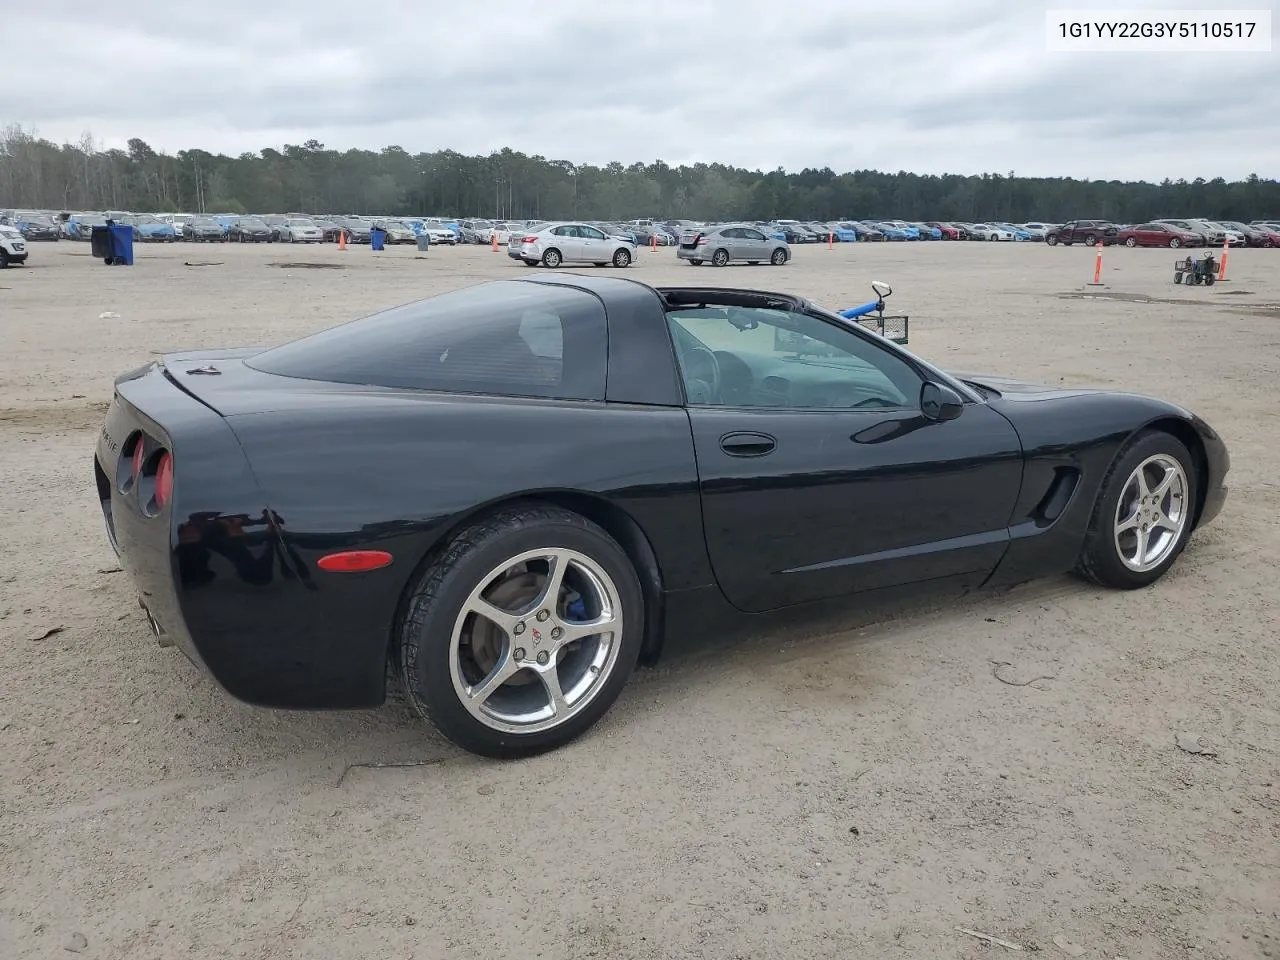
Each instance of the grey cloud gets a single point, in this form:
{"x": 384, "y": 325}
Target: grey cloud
{"x": 929, "y": 85}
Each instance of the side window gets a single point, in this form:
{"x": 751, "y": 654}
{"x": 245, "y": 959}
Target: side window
{"x": 758, "y": 357}
{"x": 591, "y": 233}
{"x": 753, "y": 234}
{"x": 566, "y": 231}
{"x": 732, "y": 233}
{"x": 505, "y": 338}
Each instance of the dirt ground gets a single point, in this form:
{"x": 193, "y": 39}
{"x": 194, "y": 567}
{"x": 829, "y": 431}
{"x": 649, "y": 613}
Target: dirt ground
{"x": 861, "y": 785}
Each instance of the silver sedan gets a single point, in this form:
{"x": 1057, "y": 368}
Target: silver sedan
{"x": 738, "y": 241}
{"x": 552, "y": 244}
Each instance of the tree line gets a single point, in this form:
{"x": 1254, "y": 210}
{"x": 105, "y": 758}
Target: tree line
{"x": 308, "y": 178}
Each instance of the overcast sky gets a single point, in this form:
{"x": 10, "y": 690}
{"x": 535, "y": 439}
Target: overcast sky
{"x": 923, "y": 85}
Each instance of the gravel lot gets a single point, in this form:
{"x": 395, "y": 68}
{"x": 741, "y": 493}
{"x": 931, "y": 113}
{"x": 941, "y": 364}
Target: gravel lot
{"x": 853, "y": 785}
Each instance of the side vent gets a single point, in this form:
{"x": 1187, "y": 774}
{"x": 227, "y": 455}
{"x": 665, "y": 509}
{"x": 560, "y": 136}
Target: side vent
{"x": 1056, "y": 498}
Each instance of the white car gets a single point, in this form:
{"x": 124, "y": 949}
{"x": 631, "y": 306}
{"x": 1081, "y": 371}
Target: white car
{"x": 552, "y": 244}
{"x": 1037, "y": 230}
{"x": 1234, "y": 237}
{"x": 439, "y": 233}
{"x": 13, "y": 246}
{"x": 987, "y": 231}
{"x": 502, "y": 232}
{"x": 299, "y": 230}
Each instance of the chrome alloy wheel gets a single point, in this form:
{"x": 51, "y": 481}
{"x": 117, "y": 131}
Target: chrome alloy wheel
{"x": 536, "y": 640}
{"x": 1151, "y": 513}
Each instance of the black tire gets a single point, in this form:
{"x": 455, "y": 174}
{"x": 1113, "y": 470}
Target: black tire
{"x": 1131, "y": 242}
{"x": 1100, "y": 559}
{"x": 437, "y": 598}
{"x": 778, "y": 257}
{"x": 1209, "y": 279}
{"x": 597, "y": 263}
{"x": 1177, "y": 278}
{"x": 695, "y": 263}
{"x": 622, "y": 258}
{"x": 754, "y": 263}
{"x": 552, "y": 258}
{"x": 1051, "y": 240}
{"x": 1175, "y": 242}
{"x": 1090, "y": 240}
{"x": 994, "y": 236}
{"x": 720, "y": 258}
{"x": 4, "y": 259}
{"x": 530, "y": 263}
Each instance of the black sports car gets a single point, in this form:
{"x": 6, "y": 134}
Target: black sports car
{"x": 514, "y": 492}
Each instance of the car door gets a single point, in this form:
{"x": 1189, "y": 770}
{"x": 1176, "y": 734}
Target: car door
{"x": 568, "y": 241}
{"x": 594, "y": 245}
{"x": 755, "y": 246}
{"x": 819, "y": 474}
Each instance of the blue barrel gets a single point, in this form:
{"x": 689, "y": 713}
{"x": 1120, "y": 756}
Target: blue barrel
{"x": 122, "y": 243}
{"x": 424, "y": 241}
{"x": 377, "y": 238}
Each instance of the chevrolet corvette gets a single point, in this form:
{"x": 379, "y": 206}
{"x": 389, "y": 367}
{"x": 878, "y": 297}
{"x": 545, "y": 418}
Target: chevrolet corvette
{"x": 510, "y": 495}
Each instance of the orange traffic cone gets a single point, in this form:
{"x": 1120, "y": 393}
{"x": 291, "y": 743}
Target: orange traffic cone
{"x": 342, "y": 239}
{"x": 493, "y": 241}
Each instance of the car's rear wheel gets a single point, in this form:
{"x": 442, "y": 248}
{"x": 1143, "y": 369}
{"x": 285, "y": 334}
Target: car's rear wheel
{"x": 1143, "y": 515}
{"x": 622, "y": 258}
{"x": 720, "y": 258}
{"x": 1175, "y": 242}
{"x": 779, "y": 257}
{"x": 1090, "y": 240}
{"x": 1131, "y": 241}
{"x": 523, "y": 632}
{"x": 552, "y": 258}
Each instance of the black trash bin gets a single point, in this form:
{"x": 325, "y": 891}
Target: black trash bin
{"x": 100, "y": 242}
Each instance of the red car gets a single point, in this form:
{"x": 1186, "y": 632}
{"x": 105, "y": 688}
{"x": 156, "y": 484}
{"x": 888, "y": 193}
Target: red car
{"x": 949, "y": 231}
{"x": 1158, "y": 235}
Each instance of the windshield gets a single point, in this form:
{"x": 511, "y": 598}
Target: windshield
{"x": 299, "y": 222}
{"x": 252, "y": 222}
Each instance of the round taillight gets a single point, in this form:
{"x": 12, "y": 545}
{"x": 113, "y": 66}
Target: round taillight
{"x": 137, "y": 455}
{"x": 164, "y": 480}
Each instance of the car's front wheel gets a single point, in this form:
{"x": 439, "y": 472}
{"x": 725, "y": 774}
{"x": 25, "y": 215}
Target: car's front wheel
{"x": 779, "y": 257}
{"x": 523, "y": 632}
{"x": 1143, "y": 515}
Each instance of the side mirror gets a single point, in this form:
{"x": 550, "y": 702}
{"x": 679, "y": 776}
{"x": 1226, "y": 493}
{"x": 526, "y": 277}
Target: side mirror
{"x": 939, "y": 402}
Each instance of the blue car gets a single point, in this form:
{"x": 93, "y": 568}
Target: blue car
{"x": 895, "y": 233}
{"x": 841, "y": 234}
{"x": 147, "y": 227}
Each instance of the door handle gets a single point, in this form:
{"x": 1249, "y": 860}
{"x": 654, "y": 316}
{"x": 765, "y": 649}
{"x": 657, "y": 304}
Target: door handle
{"x": 747, "y": 444}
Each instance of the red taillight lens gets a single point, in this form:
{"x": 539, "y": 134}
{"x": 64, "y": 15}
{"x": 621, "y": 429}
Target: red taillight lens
{"x": 528, "y": 239}
{"x": 164, "y": 480}
{"x": 703, "y": 240}
{"x": 137, "y": 456}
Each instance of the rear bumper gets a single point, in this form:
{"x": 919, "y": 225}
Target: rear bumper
{"x": 218, "y": 573}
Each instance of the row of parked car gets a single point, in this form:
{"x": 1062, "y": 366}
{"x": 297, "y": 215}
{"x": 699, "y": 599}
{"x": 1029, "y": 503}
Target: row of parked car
{"x": 308, "y": 228}
{"x": 1191, "y": 232}
{"x": 222, "y": 228}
